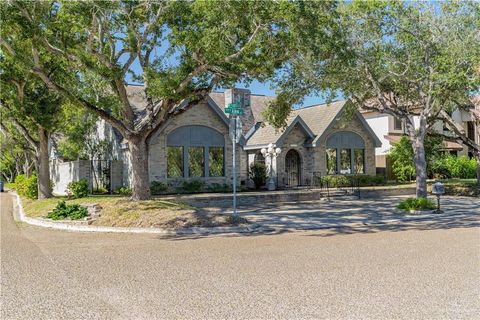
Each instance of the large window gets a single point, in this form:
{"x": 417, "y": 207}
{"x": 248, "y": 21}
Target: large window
{"x": 345, "y": 161}
{"x": 216, "y": 162}
{"x": 195, "y": 151}
{"x": 359, "y": 160}
{"x": 196, "y": 161}
{"x": 174, "y": 162}
{"x": 331, "y": 161}
{"x": 345, "y": 153}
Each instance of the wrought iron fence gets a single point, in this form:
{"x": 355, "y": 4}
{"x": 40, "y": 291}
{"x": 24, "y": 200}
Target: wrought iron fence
{"x": 101, "y": 171}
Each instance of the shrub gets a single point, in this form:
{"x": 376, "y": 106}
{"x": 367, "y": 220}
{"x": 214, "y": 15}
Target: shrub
{"x": 193, "y": 186}
{"x": 124, "y": 191}
{"x": 64, "y": 211}
{"x": 27, "y": 186}
{"x": 461, "y": 167}
{"x": 416, "y": 204}
{"x": 335, "y": 181}
{"x": 258, "y": 173}
{"x": 217, "y": 187}
{"x": 78, "y": 189}
{"x": 157, "y": 187}
{"x": 366, "y": 180}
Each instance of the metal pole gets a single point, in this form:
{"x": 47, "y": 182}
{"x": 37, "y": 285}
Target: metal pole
{"x": 234, "y": 169}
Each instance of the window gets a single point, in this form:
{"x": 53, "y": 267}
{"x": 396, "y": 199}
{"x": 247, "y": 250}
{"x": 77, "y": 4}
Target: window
{"x": 259, "y": 158}
{"x": 397, "y": 123}
{"x": 216, "y": 162}
{"x": 345, "y": 153}
{"x": 345, "y": 161}
{"x": 195, "y": 151}
{"x": 196, "y": 161}
{"x": 331, "y": 161}
{"x": 174, "y": 162}
{"x": 359, "y": 160}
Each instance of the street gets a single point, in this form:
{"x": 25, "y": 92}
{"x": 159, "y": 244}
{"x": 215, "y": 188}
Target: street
{"x": 407, "y": 273}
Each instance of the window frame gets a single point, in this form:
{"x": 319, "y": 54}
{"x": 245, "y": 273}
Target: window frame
{"x": 345, "y": 140}
{"x": 183, "y": 162}
{"x": 196, "y": 136}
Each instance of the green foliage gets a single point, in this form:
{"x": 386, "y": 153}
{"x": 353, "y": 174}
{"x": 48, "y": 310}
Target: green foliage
{"x": 78, "y": 189}
{"x": 402, "y": 157}
{"x": 157, "y": 187}
{"x": 258, "y": 173}
{"x": 70, "y": 211}
{"x": 124, "y": 191}
{"x": 27, "y": 187}
{"x": 416, "y": 204}
{"x": 192, "y": 186}
{"x": 219, "y": 187}
{"x": 342, "y": 181}
{"x": 335, "y": 181}
{"x": 456, "y": 167}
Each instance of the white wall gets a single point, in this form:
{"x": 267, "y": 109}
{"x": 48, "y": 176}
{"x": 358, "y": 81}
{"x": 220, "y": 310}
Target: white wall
{"x": 379, "y": 125}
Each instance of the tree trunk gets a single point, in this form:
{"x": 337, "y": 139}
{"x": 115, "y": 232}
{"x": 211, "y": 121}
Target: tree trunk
{"x": 420, "y": 167}
{"x": 43, "y": 174}
{"x": 139, "y": 161}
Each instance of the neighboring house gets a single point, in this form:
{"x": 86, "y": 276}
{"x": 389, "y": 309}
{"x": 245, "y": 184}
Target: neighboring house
{"x": 389, "y": 129}
{"x": 195, "y": 144}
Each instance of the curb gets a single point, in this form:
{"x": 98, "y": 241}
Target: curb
{"x": 86, "y": 228}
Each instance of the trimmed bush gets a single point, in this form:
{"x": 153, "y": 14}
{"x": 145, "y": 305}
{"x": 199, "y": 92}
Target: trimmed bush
{"x": 157, "y": 187}
{"x": 78, "y": 189}
{"x": 27, "y": 187}
{"x": 416, "y": 204}
{"x": 193, "y": 186}
{"x": 258, "y": 173}
{"x": 124, "y": 191}
{"x": 217, "y": 187}
{"x": 70, "y": 211}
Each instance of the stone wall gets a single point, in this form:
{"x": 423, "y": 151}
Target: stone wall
{"x": 353, "y": 125}
{"x": 295, "y": 140}
{"x": 201, "y": 115}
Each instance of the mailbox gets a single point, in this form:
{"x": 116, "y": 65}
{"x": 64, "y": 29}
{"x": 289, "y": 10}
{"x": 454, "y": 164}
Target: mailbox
{"x": 438, "y": 188}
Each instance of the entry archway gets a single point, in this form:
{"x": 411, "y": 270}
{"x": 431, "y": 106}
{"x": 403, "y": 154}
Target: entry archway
{"x": 293, "y": 168}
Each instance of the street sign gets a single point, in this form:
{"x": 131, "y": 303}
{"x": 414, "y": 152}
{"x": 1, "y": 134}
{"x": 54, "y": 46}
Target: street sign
{"x": 235, "y": 109}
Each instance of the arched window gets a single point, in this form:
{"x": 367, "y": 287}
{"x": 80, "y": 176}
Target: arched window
{"x": 259, "y": 158}
{"x": 345, "y": 153}
{"x": 195, "y": 151}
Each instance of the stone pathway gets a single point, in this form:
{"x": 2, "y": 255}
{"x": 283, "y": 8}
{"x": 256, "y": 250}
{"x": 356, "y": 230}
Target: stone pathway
{"x": 363, "y": 213}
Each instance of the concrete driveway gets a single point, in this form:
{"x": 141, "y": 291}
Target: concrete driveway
{"x": 409, "y": 273}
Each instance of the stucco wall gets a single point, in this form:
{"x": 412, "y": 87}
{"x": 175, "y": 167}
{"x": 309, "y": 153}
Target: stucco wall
{"x": 200, "y": 115}
{"x": 62, "y": 173}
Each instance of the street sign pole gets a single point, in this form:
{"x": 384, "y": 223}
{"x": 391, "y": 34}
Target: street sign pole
{"x": 234, "y": 166}
{"x": 235, "y": 110}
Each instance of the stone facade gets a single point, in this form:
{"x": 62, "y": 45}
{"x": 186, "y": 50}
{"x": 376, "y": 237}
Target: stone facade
{"x": 355, "y": 126}
{"x": 200, "y": 115}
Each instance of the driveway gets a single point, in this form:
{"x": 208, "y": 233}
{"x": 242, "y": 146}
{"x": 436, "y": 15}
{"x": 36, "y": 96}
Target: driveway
{"x": 409, "y": 273}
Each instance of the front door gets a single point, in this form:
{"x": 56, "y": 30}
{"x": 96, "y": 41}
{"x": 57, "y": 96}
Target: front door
{"x": 292, "y": 167}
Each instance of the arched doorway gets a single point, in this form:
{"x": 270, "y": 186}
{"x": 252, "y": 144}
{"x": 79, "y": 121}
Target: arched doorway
{"x": 292, "y": 168}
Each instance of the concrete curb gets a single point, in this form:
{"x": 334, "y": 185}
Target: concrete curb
{"x": 87, "y": 228}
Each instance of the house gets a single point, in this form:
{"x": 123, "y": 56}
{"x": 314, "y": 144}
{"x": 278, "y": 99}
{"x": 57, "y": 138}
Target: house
{"x": 195, "y": 144}
{"x": 390, "y": 129}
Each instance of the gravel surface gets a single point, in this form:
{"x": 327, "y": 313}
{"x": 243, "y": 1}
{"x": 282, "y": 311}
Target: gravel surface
{"x": 411, "y": 273}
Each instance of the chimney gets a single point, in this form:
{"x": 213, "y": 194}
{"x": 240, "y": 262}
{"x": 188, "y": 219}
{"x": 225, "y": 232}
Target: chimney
{"x": 241, "y": 96}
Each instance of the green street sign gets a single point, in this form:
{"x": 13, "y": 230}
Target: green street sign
{"x": 234, "y": 108}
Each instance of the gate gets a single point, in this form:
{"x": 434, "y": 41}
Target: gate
{"x": 292, "y": 167}
{"x": 101, "y": 176}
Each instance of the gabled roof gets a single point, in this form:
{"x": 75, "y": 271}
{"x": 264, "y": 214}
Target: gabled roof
{"x": 315, "y": 122}
{"x": 312, "y": 120}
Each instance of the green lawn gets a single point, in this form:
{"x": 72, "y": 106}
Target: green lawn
{"x": 122, "y": 212}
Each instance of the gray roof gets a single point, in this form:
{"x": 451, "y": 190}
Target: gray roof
{"x": 317, "y": 119}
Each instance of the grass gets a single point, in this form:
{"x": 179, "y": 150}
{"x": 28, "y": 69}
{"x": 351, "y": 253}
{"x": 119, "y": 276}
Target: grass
{"x": 120, "y": 211}
{"x": 416, "y": 204}
{"x": 9, "y": 185}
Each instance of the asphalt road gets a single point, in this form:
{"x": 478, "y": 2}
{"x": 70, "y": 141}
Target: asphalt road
{"x": 406, "y": 273}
